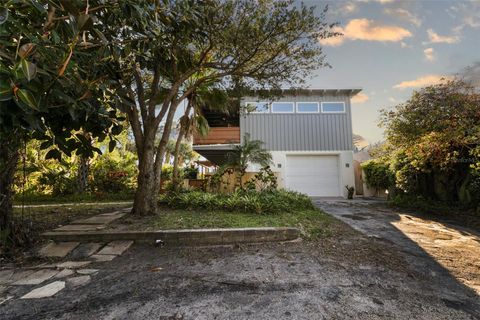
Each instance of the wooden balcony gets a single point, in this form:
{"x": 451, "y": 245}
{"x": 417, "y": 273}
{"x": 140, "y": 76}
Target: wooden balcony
{"x": 219, "y": 135}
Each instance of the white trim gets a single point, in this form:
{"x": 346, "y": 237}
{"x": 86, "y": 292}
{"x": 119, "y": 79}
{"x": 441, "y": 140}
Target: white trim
{"x": 342, "y": 102}
{"x": 292, "y": 103}
{"x": 259, "y": 102}
{"x": 318, "y": 107}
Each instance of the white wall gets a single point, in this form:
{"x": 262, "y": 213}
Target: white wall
{"x": 344, "y": 158}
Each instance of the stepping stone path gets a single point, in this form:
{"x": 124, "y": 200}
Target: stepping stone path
{"x": 59, "y": 250}
{"x": 71, "y": 273}
{"x": 45, "y": 291}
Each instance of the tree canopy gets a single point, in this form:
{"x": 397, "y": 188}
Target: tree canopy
{"x": 434, "y": 140}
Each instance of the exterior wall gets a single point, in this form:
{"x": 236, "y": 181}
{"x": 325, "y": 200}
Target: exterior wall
{"x": 301, "y": 131}
{"x": 344, "y": 158}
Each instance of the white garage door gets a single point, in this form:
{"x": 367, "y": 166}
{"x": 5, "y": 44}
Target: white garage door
{"x": 313, "y": 175}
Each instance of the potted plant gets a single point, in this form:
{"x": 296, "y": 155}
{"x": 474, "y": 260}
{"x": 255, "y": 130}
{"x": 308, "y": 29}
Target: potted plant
{"x": 350, "y": 190}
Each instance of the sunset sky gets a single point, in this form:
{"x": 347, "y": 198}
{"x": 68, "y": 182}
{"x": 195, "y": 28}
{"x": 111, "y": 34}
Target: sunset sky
{"x": 390, "y": 48}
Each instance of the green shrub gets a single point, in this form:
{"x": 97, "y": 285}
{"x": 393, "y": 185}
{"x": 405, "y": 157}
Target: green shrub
{"x": 378, "y": 175}
{"x": 262, "y": 202}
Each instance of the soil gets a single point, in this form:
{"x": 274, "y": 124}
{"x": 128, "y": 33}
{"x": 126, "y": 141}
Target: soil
{"x": 348, "y": 275}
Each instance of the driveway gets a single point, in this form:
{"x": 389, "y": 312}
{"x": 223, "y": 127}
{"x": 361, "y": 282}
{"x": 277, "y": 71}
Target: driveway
{"x": 347, "y": 275}
{"x": 431, "y": 247}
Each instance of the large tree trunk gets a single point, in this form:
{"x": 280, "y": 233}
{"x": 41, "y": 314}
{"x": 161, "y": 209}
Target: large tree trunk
{"x": 9, "y": 155}
{"x": 148, "y": 188}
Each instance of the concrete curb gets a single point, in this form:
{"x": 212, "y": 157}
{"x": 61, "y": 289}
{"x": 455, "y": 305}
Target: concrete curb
{"x": 185, "y": 237}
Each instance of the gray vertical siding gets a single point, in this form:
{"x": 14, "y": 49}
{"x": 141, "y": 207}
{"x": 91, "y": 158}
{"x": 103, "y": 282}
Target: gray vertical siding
{"x": 298, "y": 131}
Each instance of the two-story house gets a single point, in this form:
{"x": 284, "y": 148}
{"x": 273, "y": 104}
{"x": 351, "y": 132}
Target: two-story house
{"x": 308, "y": 132}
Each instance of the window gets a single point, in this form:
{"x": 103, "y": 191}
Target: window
{"x": 282, "y": 107}
{"x": 257, "y": 107}
{"x": 307, "y": 107}
{"x": 333, "y": 107}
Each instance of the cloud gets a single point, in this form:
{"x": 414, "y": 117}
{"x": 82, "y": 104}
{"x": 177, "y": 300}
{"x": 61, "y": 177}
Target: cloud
{"x": 360, "y": 98}
{"x": 429, "y": 54}
{"x": 367, "y": 30}
{"x": 436, "y": 38}
{"x": 421, "y": 82}
{"x": 468, "y": 12}
{"x": 404, "y": 14}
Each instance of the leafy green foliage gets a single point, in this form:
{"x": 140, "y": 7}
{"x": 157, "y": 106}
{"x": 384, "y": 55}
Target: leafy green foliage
{"x": 249, "y": 152}
{"x": 378, "y": 175}
{"x": 264, "y": 180}
{"x": 264, "y": 202}
{"x": 433, "y": 140}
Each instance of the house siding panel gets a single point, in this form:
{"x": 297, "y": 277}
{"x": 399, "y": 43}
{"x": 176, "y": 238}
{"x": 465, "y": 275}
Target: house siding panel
{"x": 301, "y": 132}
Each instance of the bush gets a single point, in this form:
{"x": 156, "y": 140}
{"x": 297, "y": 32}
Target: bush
{"x": 263, "y": 202}
{"x": 378, "y": 175}
{"x": 190, "y": 173}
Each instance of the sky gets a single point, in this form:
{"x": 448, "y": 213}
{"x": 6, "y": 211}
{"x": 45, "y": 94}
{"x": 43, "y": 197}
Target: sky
{"x": 392, "y": 47}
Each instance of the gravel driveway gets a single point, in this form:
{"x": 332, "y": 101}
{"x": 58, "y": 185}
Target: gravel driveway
{"x": 348, "y": 275}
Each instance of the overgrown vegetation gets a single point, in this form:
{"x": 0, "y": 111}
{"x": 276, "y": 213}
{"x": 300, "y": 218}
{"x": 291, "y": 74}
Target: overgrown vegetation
{"x": 258, "y": 202}
{"x": 378, "y": 175}
{"x": 432, "y": 147}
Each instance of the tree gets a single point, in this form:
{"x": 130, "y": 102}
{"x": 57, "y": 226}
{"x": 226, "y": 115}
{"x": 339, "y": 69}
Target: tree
{"x": 161, "y": 52}
{"x": 193, "y": 120}
{"x": 249, "y": 152}
{"x": 49, "y": 88}
{"x": 434, "y": 139}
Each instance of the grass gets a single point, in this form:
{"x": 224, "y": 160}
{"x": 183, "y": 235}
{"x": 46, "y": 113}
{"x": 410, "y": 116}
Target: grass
{"x": 46, "y": 218}
{"x": 30, "y": 199}
{"x": 313, "y": 223}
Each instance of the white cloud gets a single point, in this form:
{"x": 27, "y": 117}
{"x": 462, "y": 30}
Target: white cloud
{"x": 436, "y": 38}
{"x": 367, "y": 30}
{"x": 421, "y": 81}
{"x": 404, "y": 14}
{"x": 392, "y": 99}
{"x": 360, "y": 98}
{"x": 404, "y": 45}
{"x": 429, "y": 54}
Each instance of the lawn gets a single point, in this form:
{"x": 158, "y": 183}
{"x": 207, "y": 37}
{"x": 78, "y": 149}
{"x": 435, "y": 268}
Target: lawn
{"x": 313, "y": 223}
{"x": 46, "y": 217}
{"x": 30, "y": 199}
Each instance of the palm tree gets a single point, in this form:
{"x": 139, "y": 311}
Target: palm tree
{"x": 251, "y": 151}
{"x": 193, "y": 120}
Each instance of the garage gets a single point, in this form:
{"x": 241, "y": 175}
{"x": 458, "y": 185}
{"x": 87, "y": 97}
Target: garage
{"x": 314, "y": 175}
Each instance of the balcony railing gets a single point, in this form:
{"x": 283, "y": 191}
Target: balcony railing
{"x": 218, "y": 135}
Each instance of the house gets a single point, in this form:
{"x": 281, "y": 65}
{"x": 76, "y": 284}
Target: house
{"x": 307, "y": 131}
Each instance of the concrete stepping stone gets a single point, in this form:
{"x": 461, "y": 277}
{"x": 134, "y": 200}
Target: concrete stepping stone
{"x": 21, "y": 274}
{"x": 6, "y": 276}
{"x": 36, "y": 278}
{"x": 60, "y": 249}
{"x": 103, "y": 257}
{"x": 85, "y": 250}
{"x": 45, "y": 291}
{"x": 5, "y": 299}
{"x": 64, "y": 273}
{"x": 80, "y": 227}
{"x": 99, "y": 219}
{"x": 87, "y": 271}
{"x": 78, "y": 281}
{"x": 73, "y": 264}
{"x": 115, "y": 247}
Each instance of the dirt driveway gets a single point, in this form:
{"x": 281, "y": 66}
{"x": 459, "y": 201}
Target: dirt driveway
{"x": 348, "y": 275}
{"x": 430, "y": 246}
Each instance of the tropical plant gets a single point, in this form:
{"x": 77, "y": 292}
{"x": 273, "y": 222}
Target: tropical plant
{"x": 50, "y": 86}
{"x": 260, "y": 202}
{"x": 249, "y": 152}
